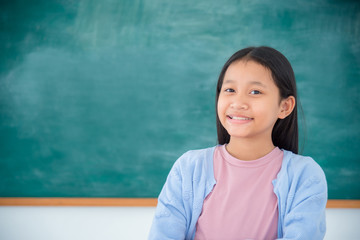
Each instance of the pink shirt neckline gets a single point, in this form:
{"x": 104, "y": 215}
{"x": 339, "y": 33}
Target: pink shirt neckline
{"x": 252, "y": 163}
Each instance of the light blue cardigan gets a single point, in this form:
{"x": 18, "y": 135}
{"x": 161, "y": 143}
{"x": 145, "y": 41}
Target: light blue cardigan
{"x": 300, "y": 187}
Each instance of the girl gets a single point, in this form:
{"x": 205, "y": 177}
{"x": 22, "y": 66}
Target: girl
{"x": 253, "y": 185}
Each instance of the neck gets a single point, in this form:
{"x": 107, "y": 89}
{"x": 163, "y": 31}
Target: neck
{"x": 249, "y": 149}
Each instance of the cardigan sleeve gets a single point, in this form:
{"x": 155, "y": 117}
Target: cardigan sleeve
{"x": 170, "y": 221}
{"x": 305, "y": 211}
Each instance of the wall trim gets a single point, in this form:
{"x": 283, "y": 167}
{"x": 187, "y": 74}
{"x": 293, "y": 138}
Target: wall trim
{"x": 126, "y": 202}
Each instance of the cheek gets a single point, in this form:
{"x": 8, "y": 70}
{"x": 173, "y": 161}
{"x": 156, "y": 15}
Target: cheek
{"x": 221, "y": 112}
{"x": 218, "y": 110}
{"x": 266, "y": 111}
{"x": 221, "y": 107}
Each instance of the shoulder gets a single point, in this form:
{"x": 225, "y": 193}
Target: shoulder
{"x": 195, "y": 165}
{"x": 301, "y": 165}
{"x": 193, "y": 158}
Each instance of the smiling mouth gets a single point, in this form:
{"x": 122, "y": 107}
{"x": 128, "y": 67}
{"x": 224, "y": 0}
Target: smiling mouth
{"x": 239, "y": 118}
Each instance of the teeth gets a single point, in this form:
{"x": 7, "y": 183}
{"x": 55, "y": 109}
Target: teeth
{"x": 240, "y": 118}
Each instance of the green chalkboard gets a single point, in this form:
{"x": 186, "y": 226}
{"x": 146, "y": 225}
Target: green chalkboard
{"x": 99, "y": 98}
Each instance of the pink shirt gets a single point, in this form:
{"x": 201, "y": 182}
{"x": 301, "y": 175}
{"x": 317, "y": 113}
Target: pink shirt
{"x": 242, "y": 204}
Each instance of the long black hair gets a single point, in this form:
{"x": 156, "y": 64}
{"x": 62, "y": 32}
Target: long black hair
{"x": 285, "y": 133}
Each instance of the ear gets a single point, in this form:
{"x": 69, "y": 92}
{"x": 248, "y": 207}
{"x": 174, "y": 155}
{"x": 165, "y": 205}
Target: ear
{"x": 286, "y": 107}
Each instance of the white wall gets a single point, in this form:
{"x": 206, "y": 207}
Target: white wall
{"x": 107, "y": 223}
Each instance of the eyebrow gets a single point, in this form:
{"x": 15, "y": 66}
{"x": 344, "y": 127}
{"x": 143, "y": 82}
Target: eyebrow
{"x": 251, "y": 83}
{"x": 228, "y": 81}
{"x": 257, "y": 83}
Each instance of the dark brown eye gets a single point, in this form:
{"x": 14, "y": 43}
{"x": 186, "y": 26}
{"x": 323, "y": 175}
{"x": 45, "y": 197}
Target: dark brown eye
{"x": 229, "y": 90}
{"x": 255, "y": 92}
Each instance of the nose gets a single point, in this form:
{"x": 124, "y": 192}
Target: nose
{"x": 239, "y": 102}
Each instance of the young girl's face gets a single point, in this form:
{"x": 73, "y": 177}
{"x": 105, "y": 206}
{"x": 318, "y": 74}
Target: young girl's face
{"x": 249, "y": 101}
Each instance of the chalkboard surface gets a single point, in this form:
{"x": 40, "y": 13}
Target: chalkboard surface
{"x": 99, "y": 98}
